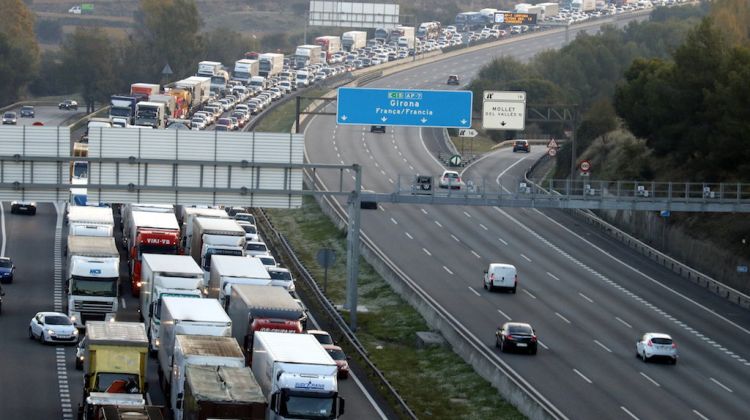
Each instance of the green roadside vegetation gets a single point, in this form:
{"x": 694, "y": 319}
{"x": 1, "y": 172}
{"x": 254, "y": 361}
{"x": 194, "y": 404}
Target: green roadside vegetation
{"x": 435, "y": 382}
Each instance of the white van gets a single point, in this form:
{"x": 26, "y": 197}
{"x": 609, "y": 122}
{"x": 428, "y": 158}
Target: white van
{"x": 503, "y": 276}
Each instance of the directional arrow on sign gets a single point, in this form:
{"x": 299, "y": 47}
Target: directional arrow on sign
{"x": 467, "y": 132}
{"x": 343, "y": 117}
{"x": 424, "y": 120}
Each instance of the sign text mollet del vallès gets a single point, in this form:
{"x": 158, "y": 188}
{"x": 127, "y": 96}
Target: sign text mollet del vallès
{"x": 404, "y": 107}
{"x": 503, "y": 110}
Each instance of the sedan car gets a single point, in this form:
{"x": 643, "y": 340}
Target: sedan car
{"x": 451, "y": 180}
{"x": 377, "y": 129}
{"x": 255, "y": 248}
{"x": 322, "y": 336}
{"x": 453, "y": 79}
{"x": 655, "y": 346}
{"x": 68, "y": 104}
{"x": 338, "y": 356}
{"x": 516, "y": 336}
{"x": 52, "y": 327}
{"x": 10, "y": 118}
{"x": 521, "y": 146}
{"x": 27, "y": 111}
{"x": 7, "y": 269}
{"x": 28, "y": 207}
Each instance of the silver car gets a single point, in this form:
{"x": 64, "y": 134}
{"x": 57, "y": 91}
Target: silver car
{"x": 653, "y": 346}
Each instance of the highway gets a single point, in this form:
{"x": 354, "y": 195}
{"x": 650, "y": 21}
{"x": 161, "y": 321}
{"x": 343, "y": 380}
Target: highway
{"x": 588, "y": 297}
{"x": 50, "y": 115}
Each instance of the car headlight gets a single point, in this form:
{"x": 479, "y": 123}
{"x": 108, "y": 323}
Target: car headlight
{"x": 73, "y": 318}
{"x": 75, "y": 331}
{"x": 112, "y": 319}
{"x": 50, "y": 332}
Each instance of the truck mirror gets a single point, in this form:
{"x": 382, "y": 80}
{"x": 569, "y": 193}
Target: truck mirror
{"x": 341, "y": 406}
{"x": 274, "y": 398}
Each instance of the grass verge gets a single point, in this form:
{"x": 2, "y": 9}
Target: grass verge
{"x": 281, "y": 119}
{"x": 435, "y": 382}
{"x": 473, "y": 146}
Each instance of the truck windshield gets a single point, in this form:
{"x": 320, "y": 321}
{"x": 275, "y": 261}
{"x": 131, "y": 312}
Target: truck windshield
{"x": 307, "y": 405}
{"x": 241, "y": 75}
{"x": 80, "y": 169}
{"x": 156, "y": 249}
{"x": 219, "y": 251}
{"x": 118, "y": 383}
{"x": 87, "y": 286}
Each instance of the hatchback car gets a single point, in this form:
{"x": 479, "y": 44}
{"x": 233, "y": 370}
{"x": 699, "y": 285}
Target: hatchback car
{"x": 251, "y": 232}
{"x": 10, "y": 118}
{"x": 27, "y": 111}
{"x": 52, "y": 327}
{"x": 655, "y": 346}
{"x": 451, "y": 180}
{"x": 521, "y": 146}
{"x": 338, "y": 356}
{"x": 516, "y": 336}
{"x": 7, "y": 269}
{"x": 453, "y": 79}
{"x": 322, "y": 336}
{"x": 244, "y": 216}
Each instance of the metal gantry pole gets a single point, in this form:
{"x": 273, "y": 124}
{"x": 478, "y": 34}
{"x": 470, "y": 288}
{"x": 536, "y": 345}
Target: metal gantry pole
{"x": 352, "y": 248}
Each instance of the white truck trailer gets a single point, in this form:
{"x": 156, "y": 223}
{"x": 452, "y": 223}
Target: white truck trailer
{"x": 353, "y": 40}
{"x": 215, "y": 237}
{"x": 90, "y": 221}
{"x": 271, "y": 64}
{"x": 244, "y": 69}
{"x": 199, "y": 350}
{"x": 161, "y": 276}
{"x": 92, "y": 278}
{"x": 296, "y": 375}
{"x": 227, "y": 270}
{"x": 186, "y": 316}
{"x": 190, "y": 213}
{"x": 306, "y": 55}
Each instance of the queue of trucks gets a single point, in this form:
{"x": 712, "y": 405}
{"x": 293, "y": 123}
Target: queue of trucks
{"x": 213, "y": 317}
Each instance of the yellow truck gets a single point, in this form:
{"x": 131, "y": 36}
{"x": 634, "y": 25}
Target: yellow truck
{"x": 115, "y": 359}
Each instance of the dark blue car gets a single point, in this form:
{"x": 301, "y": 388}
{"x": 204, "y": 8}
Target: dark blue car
{"x": 6, "y": 270}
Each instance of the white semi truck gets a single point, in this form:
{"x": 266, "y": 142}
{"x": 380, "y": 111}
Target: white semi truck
{"x": 92, "y": 278}
{"x": 215, "y": 237}
{"x": 244, "y": 69}
{"x": 306, "y": 55}
{"x": 271, "y": 64}
{"x": 186, "y": 316}
{"x": 90, "y": 221}
{"x": 354, "y": 40}
{"x": 161, "y": 276}
{"x": 190, "y": 213}
{"x": 296, "y": 375}
{"x": 151, "y": 114}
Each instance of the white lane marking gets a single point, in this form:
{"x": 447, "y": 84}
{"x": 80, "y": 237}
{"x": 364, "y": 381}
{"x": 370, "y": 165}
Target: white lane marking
{"x": 606, "y": 280}
{"x": 2, "y": 226}
{"x": 585, "y": 297}
{"x": 651, "y": 380}
{"x": 438, "y": 223}
{"x": 628, "y": 412}
{"x": 62, "y": 374}
{"x": 700, "y": 415}
{"x": 529, "y": 293}
{"x": 424, "y": 211}
{"x": 474, "y": 291}
{"x": 408, "y": 235}
{"x": 542, "y": 344}
{"x": 122, "y": 302}
{"x": 394, "y": 221}
{"x": 483, "y": 226}
{"x": 553, "y": 276}
{"x": 562, "y": 317}
{"x": 377, "y": 165}
{"x": 454, "y": 238}
{"x": 721, "y": 385}
{"x": 390, "y": 180}
{"x": 382, "y": 172}
{"x": 526, "y": 258}
{"x": 426, "y": 251}
{"x": 626, "y": 324}
{"x": 467, "y": 215}
{"x": 448, "y": 270}
{"x": 501, "y": 240}
{"x": 475, "y": 254}
{"x": 369, "y": 397}
{"x": 602, "y": 346}
{"x": 504, "y": 314}
{"x": 497, "y": 180}
{"x": 582, "y": 376}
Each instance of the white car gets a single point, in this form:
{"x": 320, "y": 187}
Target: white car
{"x": 451, "y": 180}
{"x": 654, "y": 346}
{"x": 255, "y": 248}
{"x": 251, "y": 232}
{"x": 52, "y": 327}
{"x": 267, "y": 260}
{"x": 198, "y": 123}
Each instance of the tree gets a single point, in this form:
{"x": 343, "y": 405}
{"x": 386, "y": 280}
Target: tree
{"x": 89, "y": 65}
{"x": 19, "y": 51}
{"x": 226, "y": 46}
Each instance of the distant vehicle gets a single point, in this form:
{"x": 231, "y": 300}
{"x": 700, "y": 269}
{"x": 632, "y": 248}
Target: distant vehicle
{"x": 244, "y": 216}
{"x": 451, "y": 180}
{"x": 7, "y": 269}
{"x": 653, "y": 346}
{"x": 340, "y": 358}
{"x": 521, "y": 146}
{"x": 255, "y": 248}
{"x": 75, "y": 10}
{"x": 377, "y": 129}
{"x": 267, "y": 260}
{"x": 453, "y": 79}
{"x": 51, "y": 327}
{"x": 68, "y": 104}
{"x": 10, "y": 118}
{"x": 27, "y": 111}
{"x": 322, "y": 336}
{"x": 28, "y": 207}
{"x": 38, "y": 123}
{"x": 499, "y": 275}
{"x": 423, "y": 184}
{"x": 516, "y": 336}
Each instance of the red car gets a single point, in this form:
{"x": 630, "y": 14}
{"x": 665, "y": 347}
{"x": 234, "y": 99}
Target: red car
{"x": 340, "y": 358}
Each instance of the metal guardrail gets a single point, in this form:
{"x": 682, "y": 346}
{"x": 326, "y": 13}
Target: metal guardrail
{"x": 330, "y": 311}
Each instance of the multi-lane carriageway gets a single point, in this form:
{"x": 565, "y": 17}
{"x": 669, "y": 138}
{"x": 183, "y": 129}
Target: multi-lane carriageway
{"x": 588, "y": 297}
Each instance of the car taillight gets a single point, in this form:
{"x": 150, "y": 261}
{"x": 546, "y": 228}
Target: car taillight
{"x": 510, "y": 337}
{"x": 533, "y": 339}
{"x": 649, "y": 343}
{"x": 674, "y": 346}
{"x": 458, "y": 179}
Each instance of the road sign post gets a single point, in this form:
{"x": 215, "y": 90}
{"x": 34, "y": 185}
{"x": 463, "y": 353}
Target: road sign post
{"x": 503, "y": 110}
{"x": 467, "y": 132}
{"x": 404, "y": 107}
